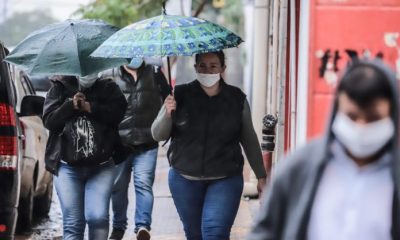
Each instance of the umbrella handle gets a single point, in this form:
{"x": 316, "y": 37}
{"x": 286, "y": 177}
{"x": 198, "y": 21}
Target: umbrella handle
{"x": 169, "y": 72}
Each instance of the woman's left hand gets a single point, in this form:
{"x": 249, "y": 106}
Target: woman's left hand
{"x": 261, "y": 185}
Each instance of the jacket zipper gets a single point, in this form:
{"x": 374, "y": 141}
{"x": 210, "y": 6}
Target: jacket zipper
{"x": 205, "y": 138}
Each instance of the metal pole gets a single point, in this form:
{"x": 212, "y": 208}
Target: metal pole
{"x": 271, "y": 63}
{"x": 302, "y": 77}
{"x": 272, "y": 108}
{"x": 248, "y": 9}
{"x": 261, "y": 17}
{"x": 259, "y": 86}
{"x": 281, "y": 77}
{"x": 292, "y": 69}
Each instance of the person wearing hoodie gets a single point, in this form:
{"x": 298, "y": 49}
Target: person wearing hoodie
{"x": 146, "y": 88}
{"x": 82, "y": 115}
{"x": 344, "y": 185}
{"x": 208, "y": 122}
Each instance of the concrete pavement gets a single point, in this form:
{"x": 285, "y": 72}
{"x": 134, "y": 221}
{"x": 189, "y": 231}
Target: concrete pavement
{"x": 166, "y": 223}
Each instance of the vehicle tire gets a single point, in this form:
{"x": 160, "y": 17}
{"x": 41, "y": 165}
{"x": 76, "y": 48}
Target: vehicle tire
{"x": 25, "y": 212}
{"x": 43, "y": 202}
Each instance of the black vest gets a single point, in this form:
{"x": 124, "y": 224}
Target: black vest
{"x": 144, "y": 101}
{"x": 206, "y": 131}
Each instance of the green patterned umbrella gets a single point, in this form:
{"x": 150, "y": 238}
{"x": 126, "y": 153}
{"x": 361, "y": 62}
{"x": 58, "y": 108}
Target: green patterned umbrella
{"x": 64, "y": 49}
{"x": 167, "y": 35}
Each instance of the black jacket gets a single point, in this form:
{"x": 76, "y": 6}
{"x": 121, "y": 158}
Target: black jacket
{"x": 107, "y": 102}
{"x": 206, "y": 131}
{"x": 145, "y": 97}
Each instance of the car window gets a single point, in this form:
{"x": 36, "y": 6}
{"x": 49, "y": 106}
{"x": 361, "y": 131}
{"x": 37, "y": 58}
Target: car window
{"x": 41, "y": 84}
{"x": 27, "y": 85}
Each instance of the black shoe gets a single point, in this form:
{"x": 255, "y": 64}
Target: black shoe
{"x": 117, "y": 234}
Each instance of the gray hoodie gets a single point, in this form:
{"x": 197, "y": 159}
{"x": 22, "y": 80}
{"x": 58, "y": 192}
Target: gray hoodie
{"x": 288, "y": 200}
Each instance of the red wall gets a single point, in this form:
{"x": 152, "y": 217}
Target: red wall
{"x": 337, "y": 25}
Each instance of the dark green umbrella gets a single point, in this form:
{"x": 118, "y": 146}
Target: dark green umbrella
{"x": 64, "y": 49}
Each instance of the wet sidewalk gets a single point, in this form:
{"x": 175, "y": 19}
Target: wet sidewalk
{"x": 166, "y": 224}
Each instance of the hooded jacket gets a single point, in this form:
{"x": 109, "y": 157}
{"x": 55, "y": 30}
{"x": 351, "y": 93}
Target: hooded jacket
{"x": 288, "y": 200}
{"x": 107, "y": 106}
{"x": 145, "y": 97}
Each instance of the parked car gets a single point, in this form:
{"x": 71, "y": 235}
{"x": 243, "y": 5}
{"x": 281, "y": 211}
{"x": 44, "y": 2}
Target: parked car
{"x": 26, "y": 187}
{"x": 10, "y": 152}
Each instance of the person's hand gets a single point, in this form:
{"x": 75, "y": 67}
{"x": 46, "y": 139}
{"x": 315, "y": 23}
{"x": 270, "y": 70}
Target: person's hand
{"x": 78, "y": 99}
{"x": 170, "y": 105}
{"x": 85, "y": 106}
{"x": 261, "y": 184}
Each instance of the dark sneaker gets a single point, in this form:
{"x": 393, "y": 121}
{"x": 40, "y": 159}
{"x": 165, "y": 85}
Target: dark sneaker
{"x": 143, "y": 234}
{"x": 117, "y": 234}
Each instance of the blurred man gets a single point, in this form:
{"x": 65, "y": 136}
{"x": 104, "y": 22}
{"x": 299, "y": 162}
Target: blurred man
{"x": 344, "y": 186}
{"x": 146, "y": 88}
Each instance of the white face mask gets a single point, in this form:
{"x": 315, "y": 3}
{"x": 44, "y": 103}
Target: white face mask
{"x": 88, "y": 80}
{"x": 362, "y": 140}
{"x": 208, "y": 80}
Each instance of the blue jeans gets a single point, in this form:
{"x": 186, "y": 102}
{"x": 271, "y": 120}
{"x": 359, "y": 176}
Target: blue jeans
{"x": 84, "y": 194}
{"x": 143, "y": 166}
{"x": 207, "y": 208}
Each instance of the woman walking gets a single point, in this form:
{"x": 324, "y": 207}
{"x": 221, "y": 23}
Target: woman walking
{"x": 211, "y": 119}
{"x": 83, "y": 130}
